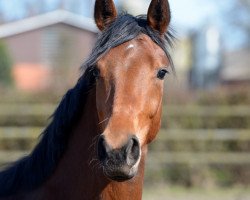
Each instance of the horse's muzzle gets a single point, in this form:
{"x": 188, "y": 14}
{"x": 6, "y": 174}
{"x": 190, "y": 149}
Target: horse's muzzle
{"x": 119, "y": 164}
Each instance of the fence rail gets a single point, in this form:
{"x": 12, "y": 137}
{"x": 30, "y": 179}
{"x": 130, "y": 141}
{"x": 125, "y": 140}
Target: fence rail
{"x": 165, "y": 134}
{"x": 17, "y": 133}
{"x": 22, "y": 113}
{"x": 207, "y": 111}
{"x": 201, "y": 158}
{"x": 26, "y": 109}
{"x": 7, "y": 157}
{"x": 156, "y": 157}
{"x": 170, "y": 110}
{"x": 205, "y": 134}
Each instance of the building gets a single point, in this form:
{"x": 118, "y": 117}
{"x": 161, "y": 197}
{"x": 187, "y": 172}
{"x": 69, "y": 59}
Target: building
{"x": 48, "y": 49}
{"x": 236, "y": 70}
{"x": 207, "y": 57}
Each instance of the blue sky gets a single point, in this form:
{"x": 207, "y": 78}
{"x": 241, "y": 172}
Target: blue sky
{"x": 187, "y": 14}
{"x": 194, "y": 14}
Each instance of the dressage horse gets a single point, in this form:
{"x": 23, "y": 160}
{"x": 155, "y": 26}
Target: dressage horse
{"x": 96, "y": 143}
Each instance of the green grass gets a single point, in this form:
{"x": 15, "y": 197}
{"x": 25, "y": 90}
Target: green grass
{"x": 165, "y": 192}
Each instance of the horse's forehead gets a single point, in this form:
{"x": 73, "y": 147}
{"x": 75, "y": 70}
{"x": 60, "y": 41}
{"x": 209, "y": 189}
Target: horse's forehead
{"x": 137, "y": 52}
{"x": 143, "y": 44}
{"x": 140, "y": 47}
{"x": 143, "y": 50}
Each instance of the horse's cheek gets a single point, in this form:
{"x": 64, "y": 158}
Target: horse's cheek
{"x": 155, "y": 126}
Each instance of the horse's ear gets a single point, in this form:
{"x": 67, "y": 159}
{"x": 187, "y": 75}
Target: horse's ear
{"x": 105, "y": 13}
{"x": 159, "y": 15}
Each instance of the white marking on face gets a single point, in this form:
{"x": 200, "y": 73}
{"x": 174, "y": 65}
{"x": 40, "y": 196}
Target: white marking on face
{"x": 130, "y": 46}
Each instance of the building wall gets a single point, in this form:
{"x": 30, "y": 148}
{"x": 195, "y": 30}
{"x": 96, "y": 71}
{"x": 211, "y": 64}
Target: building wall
{"x": 62, "y": 41}
{"x": 59, "y": 50}
{"x": 236, "y": 69}
{"x": 25, "y": 47}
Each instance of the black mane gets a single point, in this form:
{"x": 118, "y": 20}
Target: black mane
{"x": 125, "y": 28}
{"x": 31, "y": 171}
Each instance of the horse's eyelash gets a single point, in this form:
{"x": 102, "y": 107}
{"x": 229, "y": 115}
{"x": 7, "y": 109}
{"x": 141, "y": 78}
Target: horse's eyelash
{"x": 166, "y": 70}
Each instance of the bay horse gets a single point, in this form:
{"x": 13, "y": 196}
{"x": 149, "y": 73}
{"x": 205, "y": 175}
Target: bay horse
{"x": 96, "y": 144}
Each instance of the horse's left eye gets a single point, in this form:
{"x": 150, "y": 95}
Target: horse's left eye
{"x": 162, "y": 73}
{"x": 96, "y": 72}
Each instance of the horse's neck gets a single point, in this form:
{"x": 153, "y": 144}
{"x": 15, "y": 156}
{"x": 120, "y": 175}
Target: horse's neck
{"x": 78, "y": 175}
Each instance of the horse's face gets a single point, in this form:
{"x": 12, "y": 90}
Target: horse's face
{"x": 129, "y": 92}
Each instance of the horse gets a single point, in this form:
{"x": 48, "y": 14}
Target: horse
{"x": 95, "y": 146}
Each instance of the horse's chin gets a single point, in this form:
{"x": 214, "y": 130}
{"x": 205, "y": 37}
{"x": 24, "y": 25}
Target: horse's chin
{"x": 119, "y": 175}
{"x": 120, "y": 178}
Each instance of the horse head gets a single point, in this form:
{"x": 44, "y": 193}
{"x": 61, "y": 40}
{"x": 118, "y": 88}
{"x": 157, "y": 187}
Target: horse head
{"x": 129, "y": 89}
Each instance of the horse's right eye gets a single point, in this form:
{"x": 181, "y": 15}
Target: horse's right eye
{"x": 162, "y": 73}
{"x": 96, "y": 72}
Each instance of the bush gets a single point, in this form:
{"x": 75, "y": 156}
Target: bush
{"x": 5, "y": 65}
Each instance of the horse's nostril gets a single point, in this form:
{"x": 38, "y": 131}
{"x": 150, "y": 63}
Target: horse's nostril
{"x": 102, "y": 148}
{"x": 133, "y": 151}
{"x": 127, "y": 155}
